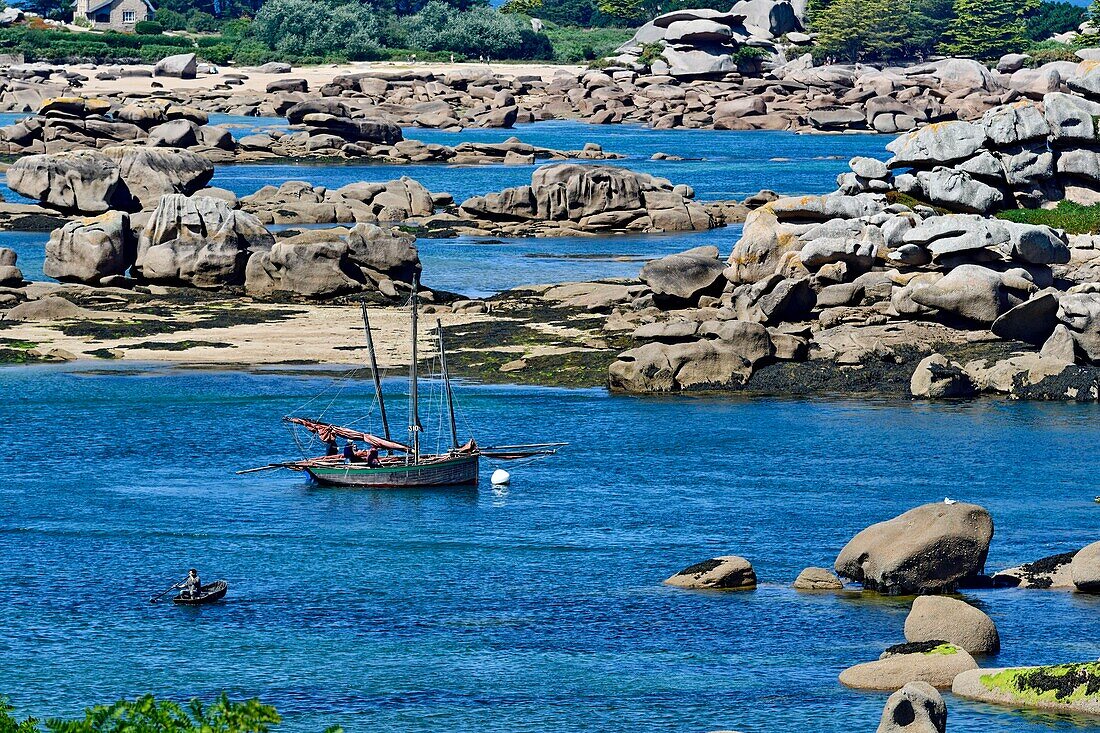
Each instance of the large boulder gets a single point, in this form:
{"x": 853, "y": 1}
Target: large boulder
{"x": 593, "y": 197}
{"x": 83, "y": 181}
{"x": 935, "y": 663}
{"x": 390, "y": 253}
{"x": 971, "y": 292}
{"x": 938, "y": 144}
{"x": 957, "y": 190}
{"x": 180, "y": 66}
{"x": 1032, "y": 321}
{"x": 723, "y": 362}
{"x": 729, "y": 572}
{"x": 89, "y": 250}
{"x": 929, "y": 549}
{"x": 150, "y": 173}
{"x": 681, "y": 278}
{"x": 773, "y": 230}
{"x": 198, "y": 241}
{"x": 1080, "y": 313}
{"x": 940, "y": 618}
{"x": 1085, "y": 569}
{"x": 303, "y": 266}
{"x": 935, "y": 378}
{"x": 916, "y": 708}
{"x": 775, "y": 17}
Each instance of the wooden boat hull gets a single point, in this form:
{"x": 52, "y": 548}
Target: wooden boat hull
{"x": 209, "y": 593}
{"x": 446, "y": 471}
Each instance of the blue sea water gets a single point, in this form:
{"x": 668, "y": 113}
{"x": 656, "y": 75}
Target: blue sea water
{"x": 479, "y": 266}
{"x": 718, "y": 164}
{"x": 532, "y": 608}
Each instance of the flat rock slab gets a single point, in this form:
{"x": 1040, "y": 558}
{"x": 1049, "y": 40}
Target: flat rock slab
{"x": 996, "y": 686}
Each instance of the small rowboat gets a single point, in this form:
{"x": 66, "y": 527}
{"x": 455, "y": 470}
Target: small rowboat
{"x": 209, "y": 593}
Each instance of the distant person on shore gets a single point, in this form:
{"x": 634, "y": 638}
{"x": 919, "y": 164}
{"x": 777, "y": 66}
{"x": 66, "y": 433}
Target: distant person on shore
{"x": 192, "y": 586}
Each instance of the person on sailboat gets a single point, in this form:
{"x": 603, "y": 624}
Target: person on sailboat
{"x": 331, "y": 449}
{"x": 192, "y": 586}
{"x": 372, "y": 458}
{"x": 350, "y": 454}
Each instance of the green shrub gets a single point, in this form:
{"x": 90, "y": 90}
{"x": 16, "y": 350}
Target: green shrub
{"x": 170, "y": 19}
{"x": 651, "y": 52}
{"x": 1047, "y": 51}
{"x": 148, "y": 28}
{"x": 149, "y": 715}
{"x": 218, "y": 54}
{"x": 296, "y": 28}
{"x": 479, "y": 31}
{"x": 1073, "y": 218}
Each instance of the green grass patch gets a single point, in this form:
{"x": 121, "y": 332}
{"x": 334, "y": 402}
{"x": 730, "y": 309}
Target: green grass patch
{"x": 1073, "y": 218}
{"x": 577, "y": 45}
{"x": 1062, "y": 683}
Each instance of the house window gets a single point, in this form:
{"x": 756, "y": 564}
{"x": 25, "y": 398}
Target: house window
{"x": 129, "y": 16}
{"x": 103, "y": 18}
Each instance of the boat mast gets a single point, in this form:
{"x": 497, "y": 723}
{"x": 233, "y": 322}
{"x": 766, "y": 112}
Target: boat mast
{"x": 414, "y": 398}
{"x": 447, "y": 384}
{"x": 374, "y": 371}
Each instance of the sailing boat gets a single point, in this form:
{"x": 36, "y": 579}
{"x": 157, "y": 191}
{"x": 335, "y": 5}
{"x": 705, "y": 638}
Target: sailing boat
{"x": 406, "y": 466}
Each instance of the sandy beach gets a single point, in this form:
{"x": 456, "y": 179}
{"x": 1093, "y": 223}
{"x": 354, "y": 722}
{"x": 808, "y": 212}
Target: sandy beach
{"x": 316, "y": 76}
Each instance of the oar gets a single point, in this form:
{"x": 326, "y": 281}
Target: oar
{"x": 157, "y": 597}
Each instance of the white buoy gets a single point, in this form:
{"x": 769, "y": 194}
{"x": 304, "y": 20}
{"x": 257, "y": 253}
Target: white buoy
{"x": 500, "y": 477}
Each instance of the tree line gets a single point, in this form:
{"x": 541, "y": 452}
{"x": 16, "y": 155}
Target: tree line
{"x": 895, "y": 30}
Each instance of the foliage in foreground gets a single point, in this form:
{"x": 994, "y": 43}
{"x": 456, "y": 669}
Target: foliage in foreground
{"x": 1073, "y": 218}
{"x": 149, "y": 715}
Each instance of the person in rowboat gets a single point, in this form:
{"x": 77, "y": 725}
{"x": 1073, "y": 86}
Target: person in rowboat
{"x": 192, "y": 586}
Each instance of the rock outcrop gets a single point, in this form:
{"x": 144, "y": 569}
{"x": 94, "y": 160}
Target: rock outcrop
{"x": 122, "y": 177}
{"x": 564, "y": 199}
{"x": 729, "y": 572}
{"x": 935, "y": 663}
{"x": 91, "y": 250}
{"x": 929, "y": 549}
{"x": 1064, "y": 688}
{"x": 324, "y": 263}
{"x": 198, "y": 241}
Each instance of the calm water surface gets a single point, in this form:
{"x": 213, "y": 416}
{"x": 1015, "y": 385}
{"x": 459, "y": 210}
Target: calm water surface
{"x": 531, "y": 609}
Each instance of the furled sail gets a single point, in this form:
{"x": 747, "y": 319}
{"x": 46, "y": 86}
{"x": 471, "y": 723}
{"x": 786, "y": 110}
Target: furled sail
{"x": 327, "y": 432}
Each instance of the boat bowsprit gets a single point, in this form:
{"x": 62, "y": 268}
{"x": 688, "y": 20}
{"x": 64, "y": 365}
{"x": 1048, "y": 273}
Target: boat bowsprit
{"x": 209, "y": 593}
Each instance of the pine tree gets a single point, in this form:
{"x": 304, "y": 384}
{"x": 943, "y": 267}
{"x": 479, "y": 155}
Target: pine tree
{"x": 988, "y": 29}
{"x": 631, "y": 10}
